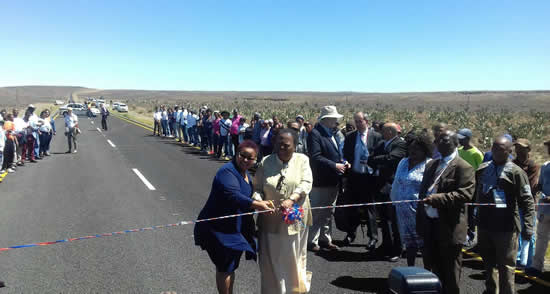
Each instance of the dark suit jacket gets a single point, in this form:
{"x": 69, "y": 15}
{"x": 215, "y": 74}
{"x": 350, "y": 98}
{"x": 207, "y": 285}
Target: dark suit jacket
{"x": 386, "y": 159}
{"x": 373, "y": 139}
{"x": 455, "y": 187}
{"x": 324, "y": 156}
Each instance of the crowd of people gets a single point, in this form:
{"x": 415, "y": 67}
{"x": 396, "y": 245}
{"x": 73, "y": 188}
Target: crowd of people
{"x": 27, "y": 138}
{"x": 438, "y": 171}
{"x": 24, "y": 138}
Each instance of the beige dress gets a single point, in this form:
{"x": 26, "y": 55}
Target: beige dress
{"x": 283, "y": 247}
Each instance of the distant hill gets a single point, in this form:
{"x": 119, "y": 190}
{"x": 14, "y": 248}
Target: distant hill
{"x": 23, "y": 95}
{"x": 512, "y": 100}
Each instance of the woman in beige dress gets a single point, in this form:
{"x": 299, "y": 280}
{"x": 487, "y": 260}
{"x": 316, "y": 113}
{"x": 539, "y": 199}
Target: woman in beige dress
{"x": 284, "y": 178}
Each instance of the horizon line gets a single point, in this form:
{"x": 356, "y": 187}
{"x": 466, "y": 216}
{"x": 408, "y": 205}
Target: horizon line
{"x": 289, "y": 91}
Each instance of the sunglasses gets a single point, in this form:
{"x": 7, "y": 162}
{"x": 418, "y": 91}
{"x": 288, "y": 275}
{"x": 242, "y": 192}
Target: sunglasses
{"x": 247, "y": 157}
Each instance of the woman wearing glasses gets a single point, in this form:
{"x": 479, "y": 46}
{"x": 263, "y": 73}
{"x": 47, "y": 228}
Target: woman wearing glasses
{"x": 225, "y": 240}
{"x": 285, "y": 179}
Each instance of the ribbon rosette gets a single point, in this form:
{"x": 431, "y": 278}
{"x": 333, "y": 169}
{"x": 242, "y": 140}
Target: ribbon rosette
{"x": 293, "y": 214}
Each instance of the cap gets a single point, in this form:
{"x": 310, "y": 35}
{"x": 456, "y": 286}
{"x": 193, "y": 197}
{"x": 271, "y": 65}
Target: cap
{"x": 464, "y": 133}
{"x": 523, "y": 142}
{"x": 299, "y": 116}
{"x": 31, "y": 106}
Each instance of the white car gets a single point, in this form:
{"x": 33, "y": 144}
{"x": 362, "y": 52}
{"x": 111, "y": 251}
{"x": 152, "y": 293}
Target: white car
{"x": 78, "y": 109}
{"x": 115, "y": 105}
{"x": 59, "y": 102}
{"x": 122, "y": 108}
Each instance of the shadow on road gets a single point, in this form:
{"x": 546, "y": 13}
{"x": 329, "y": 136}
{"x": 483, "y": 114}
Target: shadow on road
{"x": 473, "y": 264}
{"x": 349, "y": 256}
{"x": 535, "y": 288}
{"x": 369, "y": 285}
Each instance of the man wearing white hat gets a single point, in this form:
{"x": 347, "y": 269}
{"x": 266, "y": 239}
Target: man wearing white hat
{"x": 327, "y": 167}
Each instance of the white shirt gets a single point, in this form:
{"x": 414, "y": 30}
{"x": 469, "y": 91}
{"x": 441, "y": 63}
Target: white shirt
{"x": 432, "y": 212}
{"x": 242, "y": 131}
{"x": 2, "y": 140}
{"x": 71, "y": 120}
{"x": 183, "y": 120}
{"x": 157, "y": 115}
{"x": 46, "y": 127}
{"x": 19, "y": 125}
{"x": 225, "y": 127}
{"x": 178, "y": 115}
{"x": 165, "y": 115}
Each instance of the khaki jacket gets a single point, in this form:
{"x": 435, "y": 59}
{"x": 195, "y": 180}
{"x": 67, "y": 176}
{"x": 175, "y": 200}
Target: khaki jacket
{"x": 515, "y": 184}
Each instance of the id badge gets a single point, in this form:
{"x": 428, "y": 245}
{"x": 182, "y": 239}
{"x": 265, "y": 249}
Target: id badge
{"x": 500, "y": 198}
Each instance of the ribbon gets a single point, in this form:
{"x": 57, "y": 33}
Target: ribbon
{"x": 182, "y": 223}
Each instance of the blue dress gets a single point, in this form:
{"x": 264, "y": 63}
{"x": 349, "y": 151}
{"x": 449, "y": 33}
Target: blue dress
{"x": 226, "y": 239}
{"x": 406, "y": 186}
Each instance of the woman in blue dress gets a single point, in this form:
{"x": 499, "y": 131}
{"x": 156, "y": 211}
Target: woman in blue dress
{"x": 225, "y": 240}
{"x": 406, "y": 186}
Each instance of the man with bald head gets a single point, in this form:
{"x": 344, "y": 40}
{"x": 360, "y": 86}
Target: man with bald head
{"x": 505, "y": 185}
{"x": 448, "y": 184}
{"x": 358, "y": 146}
{"x": 384, "y": 162}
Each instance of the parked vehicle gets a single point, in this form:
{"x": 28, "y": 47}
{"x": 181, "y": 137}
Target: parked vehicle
{"x": 122, "y": 108}
{"x": 115, "y": 105}
{"x": 78, "y": 109}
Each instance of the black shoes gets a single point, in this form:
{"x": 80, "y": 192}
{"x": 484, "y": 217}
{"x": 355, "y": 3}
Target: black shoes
{"x": 350, "y": 238}
{"x": 331, "y": 247}
{"x": 316, "y": 248}
{"x": 393, "y": 259}
{"x": 371, "y": 245}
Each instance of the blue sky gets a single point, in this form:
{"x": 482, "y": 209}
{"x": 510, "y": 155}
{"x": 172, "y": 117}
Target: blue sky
{"x": 367, "y": 46}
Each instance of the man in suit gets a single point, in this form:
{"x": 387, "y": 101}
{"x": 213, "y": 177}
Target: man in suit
{"x": 441, "y": 220}
{"x": 358, "y": 146}
{"x": 104, "y": 114}
{"x": 327, "y": 167}
{"x": 384, "y": 161}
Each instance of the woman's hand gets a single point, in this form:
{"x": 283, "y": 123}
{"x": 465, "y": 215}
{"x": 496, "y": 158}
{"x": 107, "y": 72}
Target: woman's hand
{"x": 262, "y": 205}
{"x": 287, "y": 203}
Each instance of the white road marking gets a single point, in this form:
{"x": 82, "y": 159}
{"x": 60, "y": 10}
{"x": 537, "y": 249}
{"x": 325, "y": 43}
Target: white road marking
{"x": 92, "y": 122}
{"x": 111, "y": 143}
{"x": 143, "y": 179}
{"x": 99, "y": 130}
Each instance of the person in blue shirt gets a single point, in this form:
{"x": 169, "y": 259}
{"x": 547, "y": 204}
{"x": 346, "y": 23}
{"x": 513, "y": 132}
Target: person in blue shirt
{"x": 225, "y": 240}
